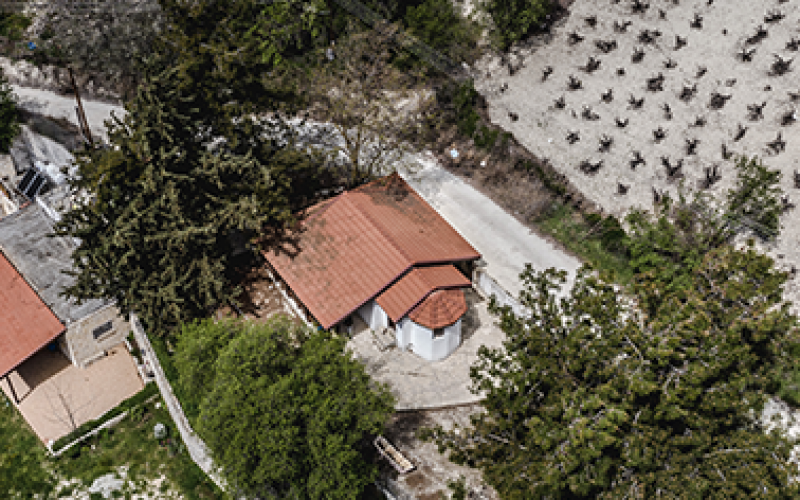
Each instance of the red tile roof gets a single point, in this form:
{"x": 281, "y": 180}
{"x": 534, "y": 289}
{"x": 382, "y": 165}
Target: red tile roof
{"x": 26, "y": 323}
{"x": 417, "y": 284}
{"x": 350, "y": 248}
{"x": 440, "y": 309}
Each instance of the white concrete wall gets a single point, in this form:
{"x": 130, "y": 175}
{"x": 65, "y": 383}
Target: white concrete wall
{"x": 488, "y": 286}
{"x": 79, "y": 343}
{"x": 284, "y": 291}
{"x": 419, "y": 339}
{"x": 373, "y": 315}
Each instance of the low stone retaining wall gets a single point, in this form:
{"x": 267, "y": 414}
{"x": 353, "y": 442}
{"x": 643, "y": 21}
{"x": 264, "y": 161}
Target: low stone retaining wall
{"x": 194, "y": 445}
{"x": 487, "y": 286}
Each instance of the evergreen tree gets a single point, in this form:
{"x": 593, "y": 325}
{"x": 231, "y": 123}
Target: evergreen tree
{"x": 192, "y": 164}
{"x": 513, "y": 20}
{"x": 285, "y": 411}
{"x": 9, "y": 116}
{"x": 755, "y": 200}
{"x": 591, "y": 398}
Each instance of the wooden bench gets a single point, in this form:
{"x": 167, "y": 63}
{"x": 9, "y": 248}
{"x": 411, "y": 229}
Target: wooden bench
{"x": 393, "y": 455}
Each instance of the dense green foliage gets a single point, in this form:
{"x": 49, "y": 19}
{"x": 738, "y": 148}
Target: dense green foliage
{"x": 670, "y": 244}
{"x": 590, "y": 398}
{"x": 459, "y": 102}
{"x": 514, "y": 19}
{"x": 9, "y": 116}
{"x": 190, "y": 167}
{"x": 286, "y": 411}
{"x": 755, "y": 200}
{"x": 13, "y": 25}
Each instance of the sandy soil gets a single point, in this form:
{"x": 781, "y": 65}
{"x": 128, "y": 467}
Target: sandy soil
{"x": 543, "y": 128}
{"x": 433, "y": 470}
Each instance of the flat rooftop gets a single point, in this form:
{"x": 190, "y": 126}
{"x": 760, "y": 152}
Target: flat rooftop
{"x": 42, "y": 260}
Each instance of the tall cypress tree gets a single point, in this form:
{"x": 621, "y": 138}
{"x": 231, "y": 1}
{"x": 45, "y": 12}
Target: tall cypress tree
{"x": 191, "y": 164}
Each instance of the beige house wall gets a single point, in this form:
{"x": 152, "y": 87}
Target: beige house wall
{"x": 79, "y": 342}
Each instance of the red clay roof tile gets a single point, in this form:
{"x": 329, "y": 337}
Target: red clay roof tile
{"x": 26, "y": 323}
{"x": 440, "y": 309}
{"x": 417, "y": 284}
{"x": 350, "y": 248}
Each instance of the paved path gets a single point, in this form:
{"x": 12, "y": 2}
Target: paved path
{"x": 505, "y": 243}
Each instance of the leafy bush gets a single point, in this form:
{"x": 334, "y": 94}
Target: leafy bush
{"x": 437, "y": 23}
{"x": 286, "y": 410}
{"x": 514, "y": 19}
{"x": 12, "y": 25}
{"x": 465, "y": 99}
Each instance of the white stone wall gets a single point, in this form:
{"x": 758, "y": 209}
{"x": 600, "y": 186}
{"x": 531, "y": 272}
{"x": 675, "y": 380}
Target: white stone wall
{"x": 420, "y": 340}
{"x": 487, "y": 286}
{"x": 79, "y": 343}
{"x": 373, "y": 315}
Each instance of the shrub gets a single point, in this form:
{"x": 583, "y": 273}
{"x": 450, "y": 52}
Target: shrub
{"x": 515, "y": 19}
{"x": 465, "y": 99}
{"x": 9, "y": 116}
{"x": 12, "y": 25}
{"x": 755, "y": 200}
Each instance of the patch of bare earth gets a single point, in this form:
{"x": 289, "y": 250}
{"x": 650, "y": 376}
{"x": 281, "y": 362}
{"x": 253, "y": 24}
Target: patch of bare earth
{"x": 626, "y": 101}
{"x": 433, "y": 470}
{"x": 259, "y": 300}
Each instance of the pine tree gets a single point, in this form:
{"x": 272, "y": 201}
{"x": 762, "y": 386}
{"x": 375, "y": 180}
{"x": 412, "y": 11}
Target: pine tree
{"x": 592, "y": 398}
{"x": 192, "y": 163}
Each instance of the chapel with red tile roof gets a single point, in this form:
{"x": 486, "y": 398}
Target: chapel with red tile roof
{"x": 383, "y": 253}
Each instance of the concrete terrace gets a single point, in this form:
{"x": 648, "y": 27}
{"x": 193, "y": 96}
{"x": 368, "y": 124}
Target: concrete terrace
{"x": 56, "y": 396}
{"x": 418, "y": 384}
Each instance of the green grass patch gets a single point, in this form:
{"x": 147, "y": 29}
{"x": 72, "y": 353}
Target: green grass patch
{"x": 129, "y": 404}
{"x": 24, "y": 471}
{"x": 598, "y": 241}
{"x": 132, "y": 443}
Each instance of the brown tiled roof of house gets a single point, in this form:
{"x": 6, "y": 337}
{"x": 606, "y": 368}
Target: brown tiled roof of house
{"x": 26, "y": 323}
{"x": 440, "y": 309}
{"x": 415, "y": 285}
{"x": 350, "y": 248}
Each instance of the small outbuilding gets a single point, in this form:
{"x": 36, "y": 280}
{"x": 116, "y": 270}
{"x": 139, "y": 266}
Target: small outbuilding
{"x": 34, "y": 263}
{"x": 380, "y": 252}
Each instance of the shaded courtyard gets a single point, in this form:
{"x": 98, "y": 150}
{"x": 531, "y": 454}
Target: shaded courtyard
{"x": 420, "y": 384}
{"x": 56, "y": 396}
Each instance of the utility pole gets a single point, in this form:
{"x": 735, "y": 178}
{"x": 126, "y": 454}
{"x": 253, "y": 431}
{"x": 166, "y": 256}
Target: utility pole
{"x": 81, "y": 115}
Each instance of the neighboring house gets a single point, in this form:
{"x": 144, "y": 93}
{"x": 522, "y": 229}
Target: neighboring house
{"x": 86, "y": 331}
{"x": 381, "y": 252}
{"x": 27, "y": 325}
